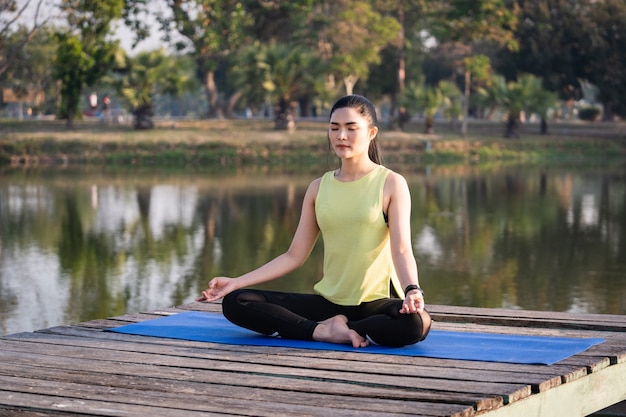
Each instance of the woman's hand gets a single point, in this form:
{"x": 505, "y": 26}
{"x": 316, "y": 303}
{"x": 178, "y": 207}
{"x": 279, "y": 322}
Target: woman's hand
{"x": 218, "y": 287}
{"x": 413, "y": 302}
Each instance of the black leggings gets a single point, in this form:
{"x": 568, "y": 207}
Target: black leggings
{"x": 295, "y": 316}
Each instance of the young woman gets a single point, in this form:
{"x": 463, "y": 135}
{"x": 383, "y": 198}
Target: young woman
{"x": 362, "y": 210}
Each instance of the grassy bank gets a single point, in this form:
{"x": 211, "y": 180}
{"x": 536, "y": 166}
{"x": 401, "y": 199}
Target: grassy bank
{"x": 240, "y": 142}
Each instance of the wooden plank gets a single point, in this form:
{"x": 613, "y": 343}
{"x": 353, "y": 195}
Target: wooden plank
{"x": 526, "y": 318}
{"x": 74, "y": 364}
{"x": 284, "y": 378}
{"x": 15, "y": 401}
{"x": 538, "y": 381}
{"x": 577, "y": 399}
{"x": 513, "y": 313}
{"x": 200, "y": 400}
{"x": 20, "y": 412}
{"x": 566, "y": 372}
{"x": 263, "y": 401}
{"x": 236, "y": 381}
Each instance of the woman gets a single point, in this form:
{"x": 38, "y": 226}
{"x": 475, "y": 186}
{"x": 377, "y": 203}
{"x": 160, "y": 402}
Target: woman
{"x": 362, "y": 210}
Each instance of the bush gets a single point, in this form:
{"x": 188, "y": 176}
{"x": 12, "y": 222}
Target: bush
{"x": 589, "y": 114}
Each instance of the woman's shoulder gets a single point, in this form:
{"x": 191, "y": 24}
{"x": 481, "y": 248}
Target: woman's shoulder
{"x": 395, "y": 180}
{"x": 313, "y": 187}
{"x": 316, "y": 182}
{"x": 393, "y": 176}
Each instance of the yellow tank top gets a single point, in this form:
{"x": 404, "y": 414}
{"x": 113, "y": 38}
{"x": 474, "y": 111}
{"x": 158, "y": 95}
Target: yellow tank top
{"x": 357, "y": 258}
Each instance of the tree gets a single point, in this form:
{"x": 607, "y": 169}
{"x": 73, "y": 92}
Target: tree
{"x": 477, "y": 67}
{"x": 250, "y": 75}
{"x": 354, "y": 38}
{"x": 30, "y": 70}
{"x": 11, "y": 16}
{"x": 403, "y": 58}
{"x": 72, "y": 64}
{"x": 541, "y": 103}
{"x": 144, "y": 77}
{"x": 570, "y": 42}
{"x": 290, "y": 21}
{"x": 137, "y": 87}
{"x": 606, "y": 49}
{"x": 430, "y": 100}
{"x": 471, "y": 23}
{"x": 513, "y": 97}
{"x": 280, "y": 73}
{"x": 84, "y": 54}
{"x": 177, "y": 77}
{"x": 212, "y": 29}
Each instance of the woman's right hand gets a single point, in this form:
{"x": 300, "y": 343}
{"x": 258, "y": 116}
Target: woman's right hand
{"x": 219, "y": 287}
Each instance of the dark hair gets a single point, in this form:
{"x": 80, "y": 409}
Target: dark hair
{"x": 368, "y": 111}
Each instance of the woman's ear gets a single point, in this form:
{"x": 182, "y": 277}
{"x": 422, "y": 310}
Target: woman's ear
{"x": 373, "y": 132}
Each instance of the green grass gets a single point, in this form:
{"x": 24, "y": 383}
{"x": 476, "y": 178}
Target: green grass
{"x": 242, "y": 142}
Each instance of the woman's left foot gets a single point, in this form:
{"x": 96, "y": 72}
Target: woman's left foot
{"x": 336, "y": 330}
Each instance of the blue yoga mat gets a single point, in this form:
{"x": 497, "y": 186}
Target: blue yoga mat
{"x": 213, "y": 327}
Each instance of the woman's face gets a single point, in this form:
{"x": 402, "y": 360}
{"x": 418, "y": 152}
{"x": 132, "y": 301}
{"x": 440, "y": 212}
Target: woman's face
{"x": 349, "y": 133}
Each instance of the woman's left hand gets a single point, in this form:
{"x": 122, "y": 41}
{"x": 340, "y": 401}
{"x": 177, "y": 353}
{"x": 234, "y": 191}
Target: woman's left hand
{"x": 413, "y": 302}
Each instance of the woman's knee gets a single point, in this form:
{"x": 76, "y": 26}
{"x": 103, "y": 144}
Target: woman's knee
{"x": 416, "y": 329}
{"x": 234, "y": 303}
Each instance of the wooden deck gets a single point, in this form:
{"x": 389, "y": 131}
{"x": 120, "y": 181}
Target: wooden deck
{"x": 83, "y": 370}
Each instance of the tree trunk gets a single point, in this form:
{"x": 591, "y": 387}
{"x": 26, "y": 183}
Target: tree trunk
{"x": 544, "y": 126}
{"x": 72, "y": 106}
{"x": 212, "y": 96}
{"x": 429, "y": 127}
{"x": 401, "y": 52}
{"x": 69, "y": 123}
{"x": 512, "y": 125}
{"x": 468, "y": 79}
{"x": 284, "y": 116}
{"x": 143, "y": 117}
{"x": 230, "y": 105}
{"x": 350, "y": 82}
{"x": 305, "y": 107}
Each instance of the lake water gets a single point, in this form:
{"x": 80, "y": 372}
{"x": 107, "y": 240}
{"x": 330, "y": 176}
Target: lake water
{"x": 82, "y": 244}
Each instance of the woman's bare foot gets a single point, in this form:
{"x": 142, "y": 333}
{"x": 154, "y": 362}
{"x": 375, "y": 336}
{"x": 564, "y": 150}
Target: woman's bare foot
{"x": 336, "y": 330}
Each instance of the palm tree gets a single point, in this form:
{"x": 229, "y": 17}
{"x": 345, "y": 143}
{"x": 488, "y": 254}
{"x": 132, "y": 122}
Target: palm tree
{"x": 432, "y": 99}
{"x": 138, "y": 86}
{"x": 513, "y": 97}
{"x": 281, "y": 74}
{"x": 453, "y": 100}
{"x": 543, "y": 101}
{"x": 147, "y": 75}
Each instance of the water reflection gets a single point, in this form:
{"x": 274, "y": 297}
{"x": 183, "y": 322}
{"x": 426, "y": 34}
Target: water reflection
{"x": 77, "y": 246}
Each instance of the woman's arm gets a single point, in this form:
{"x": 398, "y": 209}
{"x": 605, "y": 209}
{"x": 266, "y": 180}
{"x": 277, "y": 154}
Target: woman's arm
{"x": 397, "y": 199}
{"x": 298, "y": 252}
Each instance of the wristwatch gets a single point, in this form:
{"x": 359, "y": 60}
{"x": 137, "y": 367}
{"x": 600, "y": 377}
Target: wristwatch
{"x": 411, "y": 288}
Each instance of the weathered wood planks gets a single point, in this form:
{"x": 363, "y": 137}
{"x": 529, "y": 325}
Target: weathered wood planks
{"x": 83, "y": 370}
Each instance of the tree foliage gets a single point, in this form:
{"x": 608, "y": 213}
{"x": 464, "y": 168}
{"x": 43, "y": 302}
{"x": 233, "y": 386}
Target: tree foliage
{"x": 471, "y": 23}
{"x": 525, "y": 94}
{"x": 430, "y": 100}
{"x": 145, "y": 76}
{"x": 607, "y": 56}
{"x": 373, "y": 47}
{"x": 354, "y": 38}
{"x": 211, "y": 30}
{"x": 30, "y": 70}
{"x": 15, "y": 35}
{"x": 85, "y": 54}
{"x": 569, "y": 42}
{"x": 281, "y": 74}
